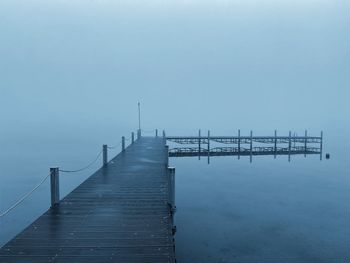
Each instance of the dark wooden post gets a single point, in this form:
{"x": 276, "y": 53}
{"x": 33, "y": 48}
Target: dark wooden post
{"x": 156, "y": 132}
{"x": 199, "y": 144}
{"x": 132, "y": 137}
{"x": 123, "y": 143}
{"x": 239, "y": 144}
{"x": 139, "y": 134}
{"x": 55, "y": 186}
{"x": 166, "y": 156}
{"x": 275, "y": 150}
{"x": 105, "y": 154}
{"x": 289, "y": 145}
{"x": 305, "y": 143}
{"x": 321, "y": 145}
{"x": 171, "y": 172}
{"x": 208, "y": 146}
{"x": 251, "y": 146}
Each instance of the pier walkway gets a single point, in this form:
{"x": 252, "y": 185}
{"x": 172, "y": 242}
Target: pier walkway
{"x": 119, "y": 214}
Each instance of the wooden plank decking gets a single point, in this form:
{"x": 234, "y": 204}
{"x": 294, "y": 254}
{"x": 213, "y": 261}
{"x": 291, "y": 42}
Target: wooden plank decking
{"x": 119, "y": 214}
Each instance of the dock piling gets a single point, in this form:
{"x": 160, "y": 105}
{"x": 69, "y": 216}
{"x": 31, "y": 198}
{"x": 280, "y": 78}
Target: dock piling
{"x": 208, "y": 146}
{"x": 55, "y": 187}
{"x": 105, "y": 154}
{"x": 289, "y": 145}
{"x": 251, "y": 146}
{"x": 156, "y": 132}
{"x": 321, "y": 145}
{"x": 132, "y": 137}
{"x": 123, "y": 143}
{"x": 239, "y": 144}
{"x": 305, "y": 143}
{"x": 171, "y": 172}
{"x": 139, "y": 134}
{"x": 199, "y": 144}
{"x": 275, "y": 148}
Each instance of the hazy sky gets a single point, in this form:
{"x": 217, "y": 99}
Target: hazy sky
{"x": 212, "y": 64}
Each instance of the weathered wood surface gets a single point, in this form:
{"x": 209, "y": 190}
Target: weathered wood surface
{"x": 119, "y": 214}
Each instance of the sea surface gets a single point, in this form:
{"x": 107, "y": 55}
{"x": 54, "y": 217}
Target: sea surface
{"x": 270, "y": 210}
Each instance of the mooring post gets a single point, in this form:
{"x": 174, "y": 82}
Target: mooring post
{"x": 208, "y": 146}
{"x": 239, "y": 144}
{"x": 251, "y": 146}
{"x": 289, "y": 145}
{"x": 275, "y": 150}
{"x": 105, "y": 154}
{"x": 171, "y": 172}
{"x": 139, "y": 134}
{"x": 305, "y": 143}
{"x": 156, "y": 132}
{"x": 199, "y": 144}
{"x": 166, "y": 156}
{"x": 55, "y": 186}
{"x": 321, "y": 145}
{"x": 123, "y": 143}
{"x": 132, "y": 137}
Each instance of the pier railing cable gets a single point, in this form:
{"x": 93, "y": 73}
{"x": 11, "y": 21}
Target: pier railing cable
{"x": 24, "y": 197}
{"x": 85, "y": 167}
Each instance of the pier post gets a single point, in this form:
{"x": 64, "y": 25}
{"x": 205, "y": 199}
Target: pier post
{"x": 163, "y": 134}
{"x": 239, "y": 144}
{"x": 275, "y": 150}
{"x": 321, "y": 145}
{"x": 199, "y": 144}
{"x": 305, "y": 143}
{"x": 171, "y": 172}
{"x": 105, "y": 154}
{"x": 251, "y": 146}
{"x": 208, "y": 146}
{"x": 156, "y": 132}
{"x": 289, "y": 145}
{"x": 123, "y": 143}
{"x": 132, "y": 137}
{"x": 139, "y": 134}
{"x": 166, "y": 156}
{"x": 55, "y": 186}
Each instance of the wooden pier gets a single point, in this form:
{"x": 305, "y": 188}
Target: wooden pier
{"x": 122, "y": 213}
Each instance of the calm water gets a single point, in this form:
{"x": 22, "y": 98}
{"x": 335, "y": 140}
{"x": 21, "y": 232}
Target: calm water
{"x": 228, "y": 211}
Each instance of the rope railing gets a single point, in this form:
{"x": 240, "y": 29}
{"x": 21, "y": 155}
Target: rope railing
{"x": 24, "y": 197}
{"x": 83, "y": 168}
{"x": 114, "y": 146}
{"x": 54, "y": 175}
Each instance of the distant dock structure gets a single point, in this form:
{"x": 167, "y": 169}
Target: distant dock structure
{"x": 250, "y": 145}
{"x": 125, "y": 211}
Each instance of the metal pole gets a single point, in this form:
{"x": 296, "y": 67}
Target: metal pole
{"x": 105, "y": 154}
{"x": 239, "y": 144}
{"x": 251, "y": 146}
{"x": 156, "y": 132}
{"x": 123, "y": 143}
{"x": 305, "y": 143}
{"x": 132, "y": 137}
{"x": 208, "y": 146}
{"x": 199, "y": 144}
{"x": 289, "y": 145}
{"x": 275, "y": 150}
{"x": 55, "y": 186}
{"x": 321, "y": 145}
